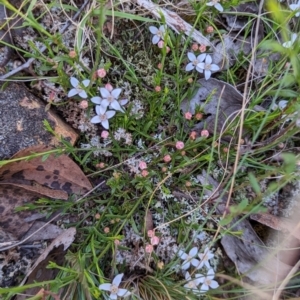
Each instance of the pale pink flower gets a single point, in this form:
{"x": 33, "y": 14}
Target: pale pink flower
{"x": 195, "y": 47}
{"x": 106, "y": 230}
{"x": 154, "y": 240}
{"x": 168, "y": 49}
{"x": 188, "y": 116}
{"x": 100, "y": 165}
{"x": 204, "y": 133}
{"x": 167, "y": 158}
{"x": 83, "y": 104}
{"x": 72, "y": 54}
{"x": 104, "y": 134}
{"x": 101, "y": 73}
{"x": 150, "y": 233}
{"x": 198, "y": 116}
{"x": 179, "y": 145}
{"x": 157, "y": 88}
{"x": 149, "y": 248}
{"x": 160, "y": 44}
{"x": 142, "y": 165}
{"x": 145, "y": 173}
{"x": 159, "y": 66}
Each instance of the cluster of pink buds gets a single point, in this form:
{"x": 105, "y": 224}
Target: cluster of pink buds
{"x": 154, "y": 240}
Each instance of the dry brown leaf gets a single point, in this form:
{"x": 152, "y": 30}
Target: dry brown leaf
{"x": 148, "y": 221}
{"x": 24, "y": 182}
{"x": 55, "y": 252}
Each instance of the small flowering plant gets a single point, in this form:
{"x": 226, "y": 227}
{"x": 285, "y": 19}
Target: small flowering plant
{"x": 158, "y": 33}
{"x": 216, "y": 4}
{"x": 78, "y": 87}
{"x": 113, "y": 288}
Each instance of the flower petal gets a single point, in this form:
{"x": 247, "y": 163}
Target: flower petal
{"x": 187, "y": 276}
{"x": 195, "y": 262}
{"x": 113, "y": 296}
{"x": 96, "y": 100}
{"x": 207, "y": 74}
{"x": 74, "y": 82}
{"x": 293, "y": 38}
{"x": 182, "y": 254}
{"x": 95, "y": 120}
{"x": 199, "y": 69}
{"x": 105, "y": 103}
{"x": 214, "y": 67}
{"x": 98, "y": 110}
{"x": 201, "y": 66}
{"x": 153, "y": 29}
{"x": 155, "y": 39}
{"x": 201, "y": 57}
{"x": 162, "y": 28}
{"x": 83, "y": 94}
{"x": 294, "y": 6}
{"x": 189, "y": 67}
{"x": 123, "y": 101}
{"x": 208, "y": 59}
{"x": 282, "y": 104}
{"x": 193, "y": 252}
{"x": 219, "y": 7}
{"x": 86, "y": 82}
{"x": 110, "y": 114}
{"x": 116, "y": 93}
{"x": 105, "y": 124}
{"x": 191, "y": 56}
{"x": 210, "y": 274}
{"x": 214, "y": 284}
{"x": 204, "y": 288}
{"x": 116, "y": 106}
{"x": 105, "y": 287}
{"x": 123, "y": 293}
{"x": 104, "y": 92}
{"x": 72, "y": 92}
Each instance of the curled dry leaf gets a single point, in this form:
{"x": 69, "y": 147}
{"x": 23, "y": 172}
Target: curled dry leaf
{"x": 55, "y": 252}
{"x": 23, "y": 182}
{"x": 250, "y": 255}
{"x": 224, "y": 103}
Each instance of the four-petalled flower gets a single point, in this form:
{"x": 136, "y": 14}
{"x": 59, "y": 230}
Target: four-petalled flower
{"x": 192, "y": 284}
{"x": 158, "y": 33}
{"x": 204, "y": 258}
{"x": 114, "y": 289}
{"x": 78, "y": 87}
{"x": 216, "y": 5}
{"x": 207, "y": 67}
{"x": 296, "y": 7}
{"x": 207, "y": 281}
{"x": 189, "y": 258}
{"x": 194, "y": 61}
{"x": 102, "y": 116}
{"x": 109, "y": 98}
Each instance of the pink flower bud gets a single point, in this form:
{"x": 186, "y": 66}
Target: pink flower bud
{"x": 83, "y": 104}
{"x": 101, "y": 73}
{"x": 160, "y": 44}
{"x": 157, "y": 88}
{"x": 195, "y": 47}
{"x": 167, "y": 158}
{"x": 179, "y": 145}
{"x": 142, "y": 165}
{"x": 193, "y": 135}
{"x": 202, "y": 48}
{"x": 104, "y": 134}
{"x": 209, "y": 29}
{"x": 149, "y": 248}
{"x": 150, "y": 233}
{"x": 159, "y": 66}
{"x": 145, "y": 173}
{"x": 154, "y": 240}
{"x": 188, "y": 115}
{"x": 168, "y": 49}
{"x": 204, "y": 133}
{"x": 109, "y": 87}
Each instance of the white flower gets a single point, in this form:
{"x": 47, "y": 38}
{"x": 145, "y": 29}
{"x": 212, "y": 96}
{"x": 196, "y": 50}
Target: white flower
{"x": 114, "y": 289}
{"x": 158, "y": 33}
{"x": 204, "y": 258}
{"x": 295, "y": 7}
{"x": 102, "y": 116}
{"x": 77, "y": 87}
{"x": 207, "y": 67}
{"x": 290, "y": 43}
{"x": 109, "y": 98}
{"x": 216, "y": 4}
{"x": 189, "y": 258}
{"x": 194, "y": 61}
{"x": 193, "y": 284}
{"x": 208, "y": 281}
{"x": 281, "y": 105}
